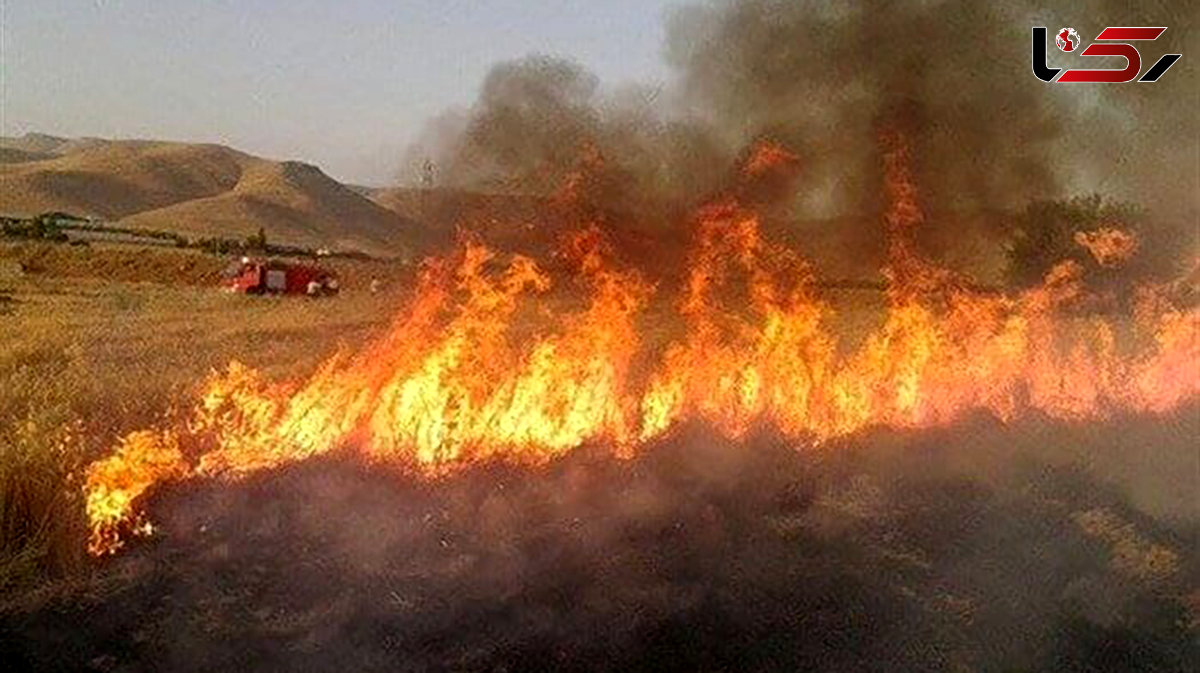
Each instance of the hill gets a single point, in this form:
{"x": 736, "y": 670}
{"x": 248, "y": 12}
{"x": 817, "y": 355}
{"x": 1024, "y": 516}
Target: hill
{"x": 14, "y": 155}
{"x": 293, "y": 203}
{"x": 197, "y": 190}
{"x": 205, "y": 190}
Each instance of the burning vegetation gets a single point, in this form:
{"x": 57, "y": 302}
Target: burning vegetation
{"x": 675, "y": 441}
{"x": 451, "y": 384}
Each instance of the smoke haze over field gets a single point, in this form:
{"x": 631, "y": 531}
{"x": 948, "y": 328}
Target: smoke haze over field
{"x": 974, "y": 548}
{"x": 820, "y": 77}
{"x": 575, "y": 460}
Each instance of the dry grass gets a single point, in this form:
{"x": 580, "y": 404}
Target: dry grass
{"x": 165, "y": 265}
{"x": 83, "y": 361}
{"x": 86, "y": 359}
{"x": 113, "y": 262}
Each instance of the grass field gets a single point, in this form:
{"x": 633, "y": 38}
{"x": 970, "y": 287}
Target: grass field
{"x": 90, "y": 350}
{"x": 1040, "y": 545}
{"x": 101, "y": 340}
{"x": 84, "y": 360}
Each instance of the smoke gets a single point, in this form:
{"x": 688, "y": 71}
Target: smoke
{"x": 979, "y": 547}
{"x": 824, "y": 75}
{"x": 1033, "y": 545}
{"x": 822, "y": 78}
{"x": 543, "y": 124}
{"x": 533, "y": 117}
{"x": 988, "y": 135}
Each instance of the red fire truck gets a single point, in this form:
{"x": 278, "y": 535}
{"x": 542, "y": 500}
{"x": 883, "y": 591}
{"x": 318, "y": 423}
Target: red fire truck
{"x": 258, "y": 276}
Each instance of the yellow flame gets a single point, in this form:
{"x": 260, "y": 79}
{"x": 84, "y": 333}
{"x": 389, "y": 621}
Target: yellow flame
{"x": 1109, "y": 246}
{"x": 115, "y": 484}
{"x": 453, "y": 382}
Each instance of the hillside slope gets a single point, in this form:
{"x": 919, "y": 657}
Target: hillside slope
{"x": 113, "y": 180}
{"x": 292, "y": 202}
{"x": 193, "y": 189}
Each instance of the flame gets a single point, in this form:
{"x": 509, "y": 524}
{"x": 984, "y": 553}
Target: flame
{"x": 1109, "y": 246}
{"x": 115, "y": 484}
{"x": 457, "y": 378}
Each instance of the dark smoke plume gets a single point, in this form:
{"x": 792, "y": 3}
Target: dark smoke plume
{"x": 989, "y": 136}
{"x": 821, "y": 77}
{"x": 540, "y": 121}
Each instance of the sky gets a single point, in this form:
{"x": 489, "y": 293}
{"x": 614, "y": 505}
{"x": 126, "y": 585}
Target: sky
{"x": 344, "y": 84}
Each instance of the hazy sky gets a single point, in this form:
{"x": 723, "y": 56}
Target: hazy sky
{"x": 341, "y": 83}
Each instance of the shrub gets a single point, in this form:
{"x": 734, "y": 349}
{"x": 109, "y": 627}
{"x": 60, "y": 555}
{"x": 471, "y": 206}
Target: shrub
{"x": 257, "y": 241}
{"x": 42, "y": 227}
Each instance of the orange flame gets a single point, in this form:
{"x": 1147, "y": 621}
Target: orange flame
{"x": 115, "y": 484}
{"x": 455, "y": 381}
{"x": 1109, "y": 246}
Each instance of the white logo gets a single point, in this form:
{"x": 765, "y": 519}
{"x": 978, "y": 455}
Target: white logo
{"x": 1067, "y": 39}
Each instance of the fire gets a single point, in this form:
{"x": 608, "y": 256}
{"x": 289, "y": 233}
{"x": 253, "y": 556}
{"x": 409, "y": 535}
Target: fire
{"x": 456, "y": 380}
{"x": 1108, "y": 245}
{"x": 115, "y": 484}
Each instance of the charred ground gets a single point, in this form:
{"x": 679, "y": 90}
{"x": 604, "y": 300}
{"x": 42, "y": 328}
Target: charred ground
{"x": 1037, "y": 545}
{"x": 978, "y": 547}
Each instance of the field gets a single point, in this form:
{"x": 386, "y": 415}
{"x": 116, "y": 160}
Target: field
{"x": 84, "y": 360}
{"x": 1040, "y": 545}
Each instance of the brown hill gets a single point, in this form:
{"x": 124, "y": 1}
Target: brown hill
{"x": 14, "y": 155}
{"x": 193, "y": 189}
{"x": 113, "y": 180}
{"x": 292, "y": 202}
{"x": 36, "y": 143}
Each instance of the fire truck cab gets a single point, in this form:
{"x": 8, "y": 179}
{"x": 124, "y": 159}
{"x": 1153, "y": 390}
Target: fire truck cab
{"x": 257, "y": 276}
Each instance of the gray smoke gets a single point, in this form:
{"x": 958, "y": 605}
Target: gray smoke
{"x": 989, "y": 135}
{"x": 956, "y": 549}
{"x": 542, "y": 122}
{"x": 821, "y": 77}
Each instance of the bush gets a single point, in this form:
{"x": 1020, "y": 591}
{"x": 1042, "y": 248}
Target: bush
{"x": 58, "y": 215}
{"x": 219, "y": 246}
{"x": 257, "y": 241}
{"x": 43, "y": 227}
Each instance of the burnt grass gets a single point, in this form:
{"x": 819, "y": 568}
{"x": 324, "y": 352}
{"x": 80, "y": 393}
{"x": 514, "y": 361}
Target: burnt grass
{"x": 952, "y": 550}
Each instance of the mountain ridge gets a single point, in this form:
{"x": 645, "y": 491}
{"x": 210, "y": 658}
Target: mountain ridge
{"x": 195, "y": 189}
